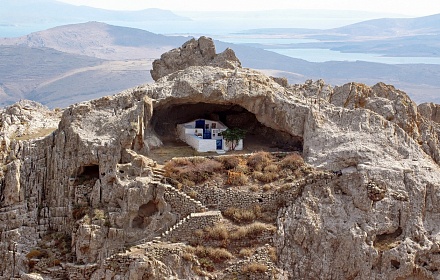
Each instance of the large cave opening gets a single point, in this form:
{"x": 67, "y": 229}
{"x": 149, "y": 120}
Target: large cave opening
{"x": 258, "y": 136}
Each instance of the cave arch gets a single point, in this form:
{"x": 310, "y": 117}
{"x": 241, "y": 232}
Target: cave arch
{"x": 165, "y": 119}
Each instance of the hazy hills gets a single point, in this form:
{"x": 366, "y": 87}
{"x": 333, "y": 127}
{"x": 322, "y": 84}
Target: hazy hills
{"x": 46, "y": 11}
{"x": 389, "y": 37}
{"x": 71, "y": 63}
{"x": 99, "y": 40}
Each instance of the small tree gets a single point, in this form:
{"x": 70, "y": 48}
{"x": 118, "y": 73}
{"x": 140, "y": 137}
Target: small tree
{"x": 233, "y": 136}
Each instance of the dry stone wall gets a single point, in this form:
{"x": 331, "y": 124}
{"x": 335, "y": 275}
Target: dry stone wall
{"x": 181, "y": 203}
{"x": 184, "y": 230}
{"x": 223, "y": 198}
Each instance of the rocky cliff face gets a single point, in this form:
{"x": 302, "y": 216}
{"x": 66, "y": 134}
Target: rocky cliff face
{"x": 86, "y": 201}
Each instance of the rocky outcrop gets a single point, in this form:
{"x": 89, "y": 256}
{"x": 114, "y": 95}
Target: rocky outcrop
{"x": 200, "y": 52}
{"x": 91, "y": 180}
{"x": 419, "y": 122}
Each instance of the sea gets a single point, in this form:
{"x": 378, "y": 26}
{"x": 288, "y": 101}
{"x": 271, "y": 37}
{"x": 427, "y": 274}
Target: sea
{"x": 230, "y": 33}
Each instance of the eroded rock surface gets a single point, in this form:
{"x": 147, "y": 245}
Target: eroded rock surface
{"x": 199, "y": 52}
{"x": 89, "y": 191}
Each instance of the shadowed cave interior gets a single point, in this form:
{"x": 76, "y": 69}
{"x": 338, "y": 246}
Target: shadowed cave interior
{"x": 166, "y": 118}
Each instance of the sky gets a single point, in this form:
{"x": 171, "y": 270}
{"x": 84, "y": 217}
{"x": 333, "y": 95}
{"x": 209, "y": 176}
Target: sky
{"x": 404, "y": 7}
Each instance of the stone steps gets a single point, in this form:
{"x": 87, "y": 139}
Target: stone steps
{"x": 192, "y": 220}
{"x": 195, "y": 201}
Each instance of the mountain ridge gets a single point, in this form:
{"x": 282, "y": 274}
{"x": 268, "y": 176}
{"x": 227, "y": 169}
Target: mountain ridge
{"x": 44, "y": 11}
{"x": 133, "y": 50}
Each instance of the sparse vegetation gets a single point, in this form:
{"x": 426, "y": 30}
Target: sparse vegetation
{"x": 260, "y": 160}
{"x": 230, "y": 162}
{"x": 99, "y": 214}
{"x": 292, "y": 161}
{"x": 272, "y": 252}
{"x": 246, "y": 252}
{"x": 254, "y": 267}
{"x": 217, "y": 232}
{"x": 251, "y": 231}
{"x": 207, "y": 256}
{"x": 196, "y": 170}
{"x": 52, "y": 249}
{"x": 236, "y": 170}
{"x": 240, "y": 215}
{"x": 35, "y": 254}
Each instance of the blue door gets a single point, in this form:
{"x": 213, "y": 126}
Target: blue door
{"x": 200, "y": 124}
{"x": 219, "y": 143}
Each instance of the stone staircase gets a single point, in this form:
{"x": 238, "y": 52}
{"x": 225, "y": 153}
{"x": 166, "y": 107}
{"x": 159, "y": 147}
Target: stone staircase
{"x": 185, "y": 228}
{"x": 158, "y": 174}
{"x": 175, "y": 193}
{"x": 196, "y": 215}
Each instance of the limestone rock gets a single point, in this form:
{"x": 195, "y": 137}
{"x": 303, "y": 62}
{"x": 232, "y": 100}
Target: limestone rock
{"x": 92, "y": 182}
{"x": 199, "y": 52}
{"x": 430, "y": 111}
{"x": 11, "y": 192}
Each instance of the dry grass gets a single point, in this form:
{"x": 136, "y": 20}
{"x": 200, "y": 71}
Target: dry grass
{"x": 35, "y": 254}
{"x": 271, "y": 168}
{"x": 266, "y": 177}
{"x": 195, "y": 170}
{"x": 292, "y": 161}
{"x": 254, "y": 267}
{"x": 272, "y": 252}
{"x": 258, "y": 161}
{"x": 246, "y": 252}
{"x": 214, "y": 254}
{"x": 217, "y": 232}
{"x": 242, "y": 215}
{"x": 192, "y": 194}
{"x": 237, "y": 178}
{"x": 251, "y": 231}
{"x": 230, "y": 162}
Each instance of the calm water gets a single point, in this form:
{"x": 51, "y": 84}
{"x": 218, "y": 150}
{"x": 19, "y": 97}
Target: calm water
{"x": 323, "y": 55}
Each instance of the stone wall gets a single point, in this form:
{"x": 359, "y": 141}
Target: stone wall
{"x": 221, "y": 198}
{"x": 261, "y": 256}
{"x": 184, "y": 230}
{"x": 182, "y": 204}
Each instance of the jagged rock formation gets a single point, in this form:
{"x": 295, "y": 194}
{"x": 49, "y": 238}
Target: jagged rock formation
{"x": 199, "y": 52}
{"x": 89, "y": 191}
